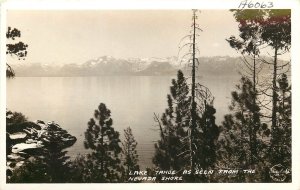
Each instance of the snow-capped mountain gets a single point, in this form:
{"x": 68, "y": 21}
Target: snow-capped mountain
{"x": 107, "y": 65}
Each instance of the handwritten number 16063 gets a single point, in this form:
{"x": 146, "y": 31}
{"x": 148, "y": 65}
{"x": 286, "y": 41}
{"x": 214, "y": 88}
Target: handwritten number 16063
{"x": 245, "y": 4}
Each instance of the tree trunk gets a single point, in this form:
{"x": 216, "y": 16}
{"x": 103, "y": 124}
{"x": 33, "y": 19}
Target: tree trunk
{"x": 274, "y": 101}
{"x": 193, "y": 108}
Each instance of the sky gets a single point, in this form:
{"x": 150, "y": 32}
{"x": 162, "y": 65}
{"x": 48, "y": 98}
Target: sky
{"x": 76, "y": 36}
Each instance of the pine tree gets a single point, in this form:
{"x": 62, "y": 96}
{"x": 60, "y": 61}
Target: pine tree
{"x": 282, "y": 155}
{"x": 174, "y": 124}
{"x": 172, "y": 151}
{"x": 235, "y": 145}
{"x": 249, "y": 44}
{"x": 208, "y": 135}
{"x": 187, "y": 128}
{"x": 271, "y": 27}
{"x": 54, "y": 156}
{"x": 129, "y": 153}
{"x": 104, "y": 142}
{"x": 14, "y": 49}
{"x": 277, "y": 34}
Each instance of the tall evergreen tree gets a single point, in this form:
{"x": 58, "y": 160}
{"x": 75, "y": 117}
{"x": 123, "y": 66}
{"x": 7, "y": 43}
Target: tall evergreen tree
{"x": 277, "y": 34}
{"x": 57, "y": 163}
{"x": 129, "y": 153}
{"x": 235, "y": 146}
{"x": 273, "y": 28}
{"x": 248, "y": 44}
{"x": 173, "y": 150}
{"x": 170, "y": 149}
{"x": 104, "y": 142}
{"x": 282, "y": 152}
{"x": 207, "y": 140}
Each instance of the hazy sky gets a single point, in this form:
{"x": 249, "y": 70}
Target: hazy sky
{"x": 78, "y": 36}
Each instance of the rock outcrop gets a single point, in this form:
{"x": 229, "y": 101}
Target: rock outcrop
{"x": 28, "y": 139}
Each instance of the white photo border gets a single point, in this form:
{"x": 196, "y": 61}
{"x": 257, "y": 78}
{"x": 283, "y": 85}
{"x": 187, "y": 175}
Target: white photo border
{"x": 294, "y": 5}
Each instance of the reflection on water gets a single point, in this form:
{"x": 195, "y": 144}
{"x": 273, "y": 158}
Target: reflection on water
{"x": 71, "y": 101}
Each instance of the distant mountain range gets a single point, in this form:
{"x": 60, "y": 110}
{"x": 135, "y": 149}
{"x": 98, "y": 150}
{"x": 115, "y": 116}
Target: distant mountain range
{"x": 109, "y": 66}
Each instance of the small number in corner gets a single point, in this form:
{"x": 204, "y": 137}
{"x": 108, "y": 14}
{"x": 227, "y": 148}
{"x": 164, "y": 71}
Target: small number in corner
{"x": 255, "y": 5}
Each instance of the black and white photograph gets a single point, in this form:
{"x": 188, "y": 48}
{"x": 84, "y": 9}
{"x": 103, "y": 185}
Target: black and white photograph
{"x": 148, "y": 95}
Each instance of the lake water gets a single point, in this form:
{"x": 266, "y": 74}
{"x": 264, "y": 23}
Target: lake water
{"x": 71, "y": 101}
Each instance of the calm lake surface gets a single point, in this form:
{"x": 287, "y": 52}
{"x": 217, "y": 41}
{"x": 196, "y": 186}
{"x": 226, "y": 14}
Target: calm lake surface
{"x": 71, "y": 101}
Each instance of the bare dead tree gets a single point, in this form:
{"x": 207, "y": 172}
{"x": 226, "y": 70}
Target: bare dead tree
{"x": 200, "y": 95}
